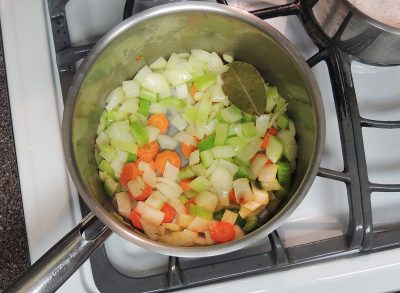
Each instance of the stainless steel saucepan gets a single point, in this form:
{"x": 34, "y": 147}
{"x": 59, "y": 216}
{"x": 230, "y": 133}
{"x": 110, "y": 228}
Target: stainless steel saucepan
{"x": 358, "y": 34}
{"x": 159, "y": 32}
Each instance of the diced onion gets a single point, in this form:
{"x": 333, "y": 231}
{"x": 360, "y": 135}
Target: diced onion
{"x": 151, "y": 230}
{"x": 157, "y": 108}
{"x": 252, "y": 205}
{"x": 260, "y": 195}
{"x": 177, "y": 75}
{"x": 221, "y": 180}
{"x": 182, "y": 91}
{"x": 194, "y": 158}
{"x": 185, "y": 138}
{"x": 171, "y": 183}
{"x": 149, "y": 176}
{"x": 207, "y": 200}
{"x": 262, "y": 124}
{"x": 184, "y": 220}
{"x": 268, "y": 173}
{"x": 177, "y": 121}
{"x": 171, "y": 226}
{"x": 170, "y": 171}
{"x": 152, "y": 132}
{"x": 114, "y": 98}
{"x": 159, "y": 64}
{"x": 131, "y": 88}
{"x": 230, "y": 167}
{"x": 210, "y": 127}
{"x": 229, "y": 217}
{"x": 257, "y": 165}
{"x": 136, "y": 186}
{"x": 199, "y": 225}
{"x": 123, "y": 204}
{"x": 150, "y": 214}
{"x": 130, "y": 106}
{"x": 154, "y": 202}
{"x": 242, "y": 189}
{"x": 228, "y": 58}
{"x": 156, "y": 82}
{"x": 166, "y": 142}
{"x": 141, "y": 75}
{"x": 201, "y": 55}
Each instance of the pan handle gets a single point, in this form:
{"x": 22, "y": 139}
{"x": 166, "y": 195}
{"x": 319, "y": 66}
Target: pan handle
{"x": 49, "y": 272}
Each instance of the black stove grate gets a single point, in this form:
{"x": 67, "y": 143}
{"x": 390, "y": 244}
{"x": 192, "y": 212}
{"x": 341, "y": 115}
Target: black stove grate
{"x": 360, "y": 237}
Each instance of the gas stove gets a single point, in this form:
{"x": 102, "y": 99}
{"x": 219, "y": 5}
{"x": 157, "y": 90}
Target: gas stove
{"x": 344, "y": 235}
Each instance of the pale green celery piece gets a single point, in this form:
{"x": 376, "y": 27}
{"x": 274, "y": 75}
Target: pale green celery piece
{"x": 249, "y": 129}
{"x": 108, "y": 152}
{"x": 221, "y": 133}
{"x": 200, "y": 184}
{"x": 250, "y": 150}
{"x": 206, "y": 158}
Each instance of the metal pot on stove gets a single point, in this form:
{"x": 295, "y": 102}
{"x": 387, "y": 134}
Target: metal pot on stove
{"x": 350, "y": 29}
{"x": 159, "y": 32}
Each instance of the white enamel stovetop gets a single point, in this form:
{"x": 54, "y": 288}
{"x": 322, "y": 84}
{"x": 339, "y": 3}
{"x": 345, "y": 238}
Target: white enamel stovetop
{"x": 51, "y": 203}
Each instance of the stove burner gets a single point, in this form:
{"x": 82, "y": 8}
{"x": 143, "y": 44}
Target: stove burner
{"x": 360, "y": 237}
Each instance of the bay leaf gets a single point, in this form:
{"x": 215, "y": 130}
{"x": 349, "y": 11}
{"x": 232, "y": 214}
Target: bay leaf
{"x": 244, "y": 86}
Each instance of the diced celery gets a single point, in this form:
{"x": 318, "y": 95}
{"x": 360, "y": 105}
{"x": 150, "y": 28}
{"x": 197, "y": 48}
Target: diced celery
{"x": 251, "y": 223}
{"x": 204, "y": 81}
{"x": 200, "y": 184}
{"x": 203, "y": 110}
{"x": 139, "y": 133}
{"x": 201, "y": 212}
{"x": 148, "y": 95}
{"x": 97, "y": 156}
{"x": 124, "y": 145}
{"x": 244, "y": 172}
{"x": 190, "y": 114}
{"x": 186, "y": 173}
{"x": 274, "y": 149}
{"x": 144, "y": 107}
{"x": 102, "y": 139}
{"x": 249, "y": 129}
{"x": 290, "y": 144}
{"x": 103, "y": 175}
{"x": 206, "y": 143}
{"x": 248, "y": 117}
{"x": 271, "y": 94}
{"x": 108, "y": 152}
{"x": 131, "y": 158}
{"x": 172, "y": 103}
{"x": 239, "y": 162}
{"x": 110, "y": 186}
{"x": 251, "y": 149}
{"x": 282, "y": 121}
{"x": 221, "y": 133}
{"x": 105, "y": 167}
{"x": 292, "y": 127}
{"x": 284, "y": 173}
{"x": 222, "y": 152}
{"x": 183, "y": 199}
{"x": 238, "y": 142}
{"x": 199, "y": 170}
{"x": 206, "y": 158}
{"x": 191, "y": 193}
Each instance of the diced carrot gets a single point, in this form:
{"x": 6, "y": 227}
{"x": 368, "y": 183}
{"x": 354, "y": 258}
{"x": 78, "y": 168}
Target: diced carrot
{"x": 165, "y": 156}
{"x": 188, "y": 203}
{"x": 135, "y": 219}
{"x": 268, "y": 162}
{"x": 265, "y": 142}
{"x": 160, "y": 121}
{"x": 146, "y": 191}
{"x": 193, "y": 89}
{"x": 151, "y": 164}
{"x": 148, "y": 151}
{"x": 185, "y": 184}
{"x": 129, "y": 172}
{"x": 139, "y": 58}
{"x": 222, "y": 232}
{"x": 169, "y": 213}
{"x": 187, "y": 149}
{"x": 272, "y": 131}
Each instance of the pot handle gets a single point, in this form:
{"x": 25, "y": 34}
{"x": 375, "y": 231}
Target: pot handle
{"x": 49, "y": 272}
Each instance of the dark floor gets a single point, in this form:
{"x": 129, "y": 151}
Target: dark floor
{"x": 14, "y": 253}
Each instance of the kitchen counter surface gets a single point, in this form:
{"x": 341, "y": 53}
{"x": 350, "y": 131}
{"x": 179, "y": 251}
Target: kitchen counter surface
{"x": 14, "y": 252}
